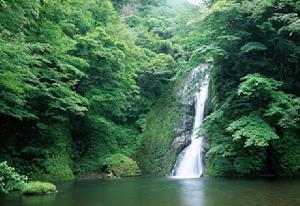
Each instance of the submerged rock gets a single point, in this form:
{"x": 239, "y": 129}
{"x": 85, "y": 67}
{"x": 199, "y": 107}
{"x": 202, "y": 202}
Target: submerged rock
{"x": 38, "y": 188}
{"x": 119, "y": 165}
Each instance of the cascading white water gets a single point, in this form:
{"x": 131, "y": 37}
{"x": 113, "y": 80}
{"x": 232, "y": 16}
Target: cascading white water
{"x": 189, "y": 161}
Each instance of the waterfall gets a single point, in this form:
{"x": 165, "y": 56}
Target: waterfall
{"x": 189, "y": 161}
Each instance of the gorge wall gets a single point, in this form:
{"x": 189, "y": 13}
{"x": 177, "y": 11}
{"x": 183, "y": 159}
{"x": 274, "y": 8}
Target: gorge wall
{"x": 168, "y": 130}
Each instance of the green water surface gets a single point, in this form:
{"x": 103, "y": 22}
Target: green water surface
{"x": 167, "y": 192}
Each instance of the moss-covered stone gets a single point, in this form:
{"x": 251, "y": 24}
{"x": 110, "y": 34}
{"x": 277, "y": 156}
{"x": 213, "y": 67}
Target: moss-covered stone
{"x": 118, "y": 165}
{"x": 38, "y": 188}
{"x": 157, "y": 155}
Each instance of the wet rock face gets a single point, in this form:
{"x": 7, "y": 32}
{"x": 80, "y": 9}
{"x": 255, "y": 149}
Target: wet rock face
{"x": 205, "y": 160}
{"x": 184, "y": 130}
{"x": 181, "y": 141}
{"x": 168, "y": 131}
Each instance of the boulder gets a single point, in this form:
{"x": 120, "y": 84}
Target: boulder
{"x": 38, "y": 188}
{"x": 119, "y": 165}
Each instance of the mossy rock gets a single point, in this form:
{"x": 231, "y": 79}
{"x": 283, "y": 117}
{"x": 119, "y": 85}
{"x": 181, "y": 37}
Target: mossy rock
{"x": 119, "y": 165}
{"x": 156, "y": 156}
{"x": 38, "y": 188}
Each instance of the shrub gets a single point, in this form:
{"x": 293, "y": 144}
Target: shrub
{"x": 10, "y": 179}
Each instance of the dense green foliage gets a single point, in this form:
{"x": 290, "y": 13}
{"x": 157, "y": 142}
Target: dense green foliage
{"x": 10, "y": 179}
{"x": 254, "y": 48}
{"x": 77, "y": 78}
{"x": 156, "y": 156}
{"x": 87, "y": 84}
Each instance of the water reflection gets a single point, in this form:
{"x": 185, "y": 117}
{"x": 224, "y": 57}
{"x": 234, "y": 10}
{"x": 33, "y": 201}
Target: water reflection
{"x": 38, "y": 200}
{"x": 191, "y": 192}
{"x": 167, "y": 192}
{"x": 239, "y": 192}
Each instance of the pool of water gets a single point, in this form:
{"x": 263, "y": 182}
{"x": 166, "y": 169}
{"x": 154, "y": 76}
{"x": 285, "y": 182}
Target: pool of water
{"x": 166, "y": 192}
